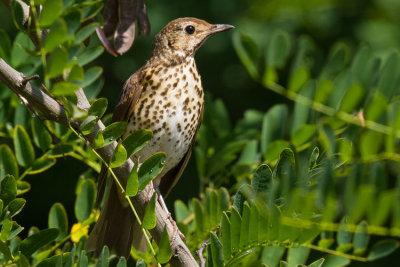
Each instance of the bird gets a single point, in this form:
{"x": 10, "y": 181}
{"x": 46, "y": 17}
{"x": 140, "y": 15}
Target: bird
{"x": 166, "y": 96}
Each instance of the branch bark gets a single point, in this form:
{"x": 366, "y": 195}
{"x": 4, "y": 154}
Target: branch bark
{"x": 54, "y": 111}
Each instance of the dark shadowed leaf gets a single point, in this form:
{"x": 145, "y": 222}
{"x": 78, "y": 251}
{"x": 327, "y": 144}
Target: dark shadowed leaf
{"x": 85, "y": 200}
{"x": 247, "y": 51}
{"x": 42, "y": 164}
{"x": 226, "y": 236}
{"x": 15, "y": 206}
{"x": 32, "y": 243}
{"x": 58, "y": 219}
{"x": 383, "y": 248}
{"x": 121, "y": 262}
{"x": 8, "y": 189}
{"x": 361, "y": 238}
{"x": 278, "y": 49}
{"x": 8, "y": 163}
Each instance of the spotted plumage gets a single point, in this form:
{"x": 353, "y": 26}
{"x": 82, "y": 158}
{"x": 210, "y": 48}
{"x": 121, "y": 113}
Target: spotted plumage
{"x": 165, "y": 96}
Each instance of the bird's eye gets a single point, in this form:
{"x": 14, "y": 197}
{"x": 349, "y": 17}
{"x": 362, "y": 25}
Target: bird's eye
{"x": 189, "y": 29}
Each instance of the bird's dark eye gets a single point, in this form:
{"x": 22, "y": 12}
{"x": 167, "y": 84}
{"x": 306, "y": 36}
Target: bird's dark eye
{"x": 189, "y": 29}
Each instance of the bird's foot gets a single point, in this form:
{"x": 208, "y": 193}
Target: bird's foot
{"x": 176, "y": 229}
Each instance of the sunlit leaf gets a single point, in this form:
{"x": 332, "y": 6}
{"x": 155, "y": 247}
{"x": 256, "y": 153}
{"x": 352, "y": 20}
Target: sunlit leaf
{"x": 23, "y": 147}
{"x": 58, "y": 219}
{"x": 136, "y": 141}
{"x": 149, "y": 219}
{"x": 51, "y": 10}
{"x": 165, "y": 252}
{"x": 150, "y": 168}
{"x": 8, "y": 163}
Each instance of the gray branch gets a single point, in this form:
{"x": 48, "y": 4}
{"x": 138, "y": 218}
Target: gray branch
{"x": 54, "y": 111}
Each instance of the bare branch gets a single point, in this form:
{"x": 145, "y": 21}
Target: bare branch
{"x": 52, "y": 110}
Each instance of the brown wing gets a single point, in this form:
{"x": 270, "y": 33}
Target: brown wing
{"x": 129, "y": 98}
{"x": 169, "y": 180}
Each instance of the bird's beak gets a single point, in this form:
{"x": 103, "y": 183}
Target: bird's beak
{"x": 219, "y": 28}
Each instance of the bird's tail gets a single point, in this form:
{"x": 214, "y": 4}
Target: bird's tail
{"x": 115, "y": 227}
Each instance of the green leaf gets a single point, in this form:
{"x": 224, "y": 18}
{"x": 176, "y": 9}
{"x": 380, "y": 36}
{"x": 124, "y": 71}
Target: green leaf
{"x": 61, "y": 151}
{"x": 352, "y": 98}
{"x": 89, "y": 55}
{"x": 73, "y": 21}
{"x": 90, "y": 76}
{"x": 119, "y": 156}
{"x": 164, "y": 252}
{"x": 278, "y": 49}
{"x": 383, "y": 248}
{"x": 6, "y": 251}
{"x": 247, "y": 51}
{"x": 41, "y": 136}
{"x": 51, "y": 10}
{"x": 104, "y": 258}
{"x": 216, "y": 250}
{"x": 301, "y": 112}
{"x": 85, "y": 200}
{"x": 236, "y": 221}
{"x": 34, "y": 242}
{"x": 262, "y": 178}
{"x": 98, "y": 107}
{"x": 83, "y": 260}
{"x": 8, "y": 163}
{"x": 323, "y": 91}
{"x": 8, "y": 189}
{"x": 298, "y": 255}
{"x": 370, "y": 143}
{"x": 335, "y": 261}
{"x": 17, "y": 15}
{"x": 56, "y": 36}
{"x": 149, "y": 219}
{"x": 88, "y": 124}
{"x": 75, "y": 74}
{"x": 150, "y": 168}
{"x": 376, "y": 107}
{"x": 390, "y": 75}
{"x": 136, "y": 141}
{"x": 298, "y": 79}
{"x": 303, "y": 134}
{"x": 64, "y": 88}
{"x": 132, "y": 186}
{"x": 121, "y": 262}
{"x": 23, "y": 147}
{"x": 361, "y": 238}
{"x": 221, "y": 118}
{"x": 85, "y": 32}
{"x": 223, "y": 199}
{"x": 181, "y": 211}
{"x": 98, "y": 140}
{"x": 57, "y": 62}
{"x": 226, "y": 236}
{"x": 15, "y": 206}
{"x": 41, "y": 165}
{"x": 58, "y": 219}
{"x": 22, "y": 187}
{"x": 272, "y": 255}
{"x": 273, "y": 125}
{"x": 344, "y": 236}
{"x": 198, "y": 217}
{"x": 5, "y": 45}
{"x": 317, "y": 263}
{"x": 245, "y": 226}
{"x": 6, "y": 229}
{"x": 113, "y": 131}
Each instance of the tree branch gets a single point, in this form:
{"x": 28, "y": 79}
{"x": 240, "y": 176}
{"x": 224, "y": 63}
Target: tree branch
{"x": 54, "y": 111}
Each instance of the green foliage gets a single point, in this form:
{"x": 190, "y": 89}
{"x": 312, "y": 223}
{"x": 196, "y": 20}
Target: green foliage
{"x": 315, "y": 173}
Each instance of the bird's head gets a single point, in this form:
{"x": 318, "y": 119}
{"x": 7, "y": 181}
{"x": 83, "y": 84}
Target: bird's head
{"x": 183, "y": 36}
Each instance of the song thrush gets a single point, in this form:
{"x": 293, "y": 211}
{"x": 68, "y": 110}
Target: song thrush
{"x": 165, "y": 96}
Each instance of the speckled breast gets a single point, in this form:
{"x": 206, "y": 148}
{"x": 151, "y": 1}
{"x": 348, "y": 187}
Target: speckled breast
{"x": 170, "y": 105}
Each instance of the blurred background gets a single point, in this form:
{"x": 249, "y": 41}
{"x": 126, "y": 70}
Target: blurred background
{"x": 326, "y": 22}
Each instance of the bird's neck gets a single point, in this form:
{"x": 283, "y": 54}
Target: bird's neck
{"x": 171, "y": 59}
